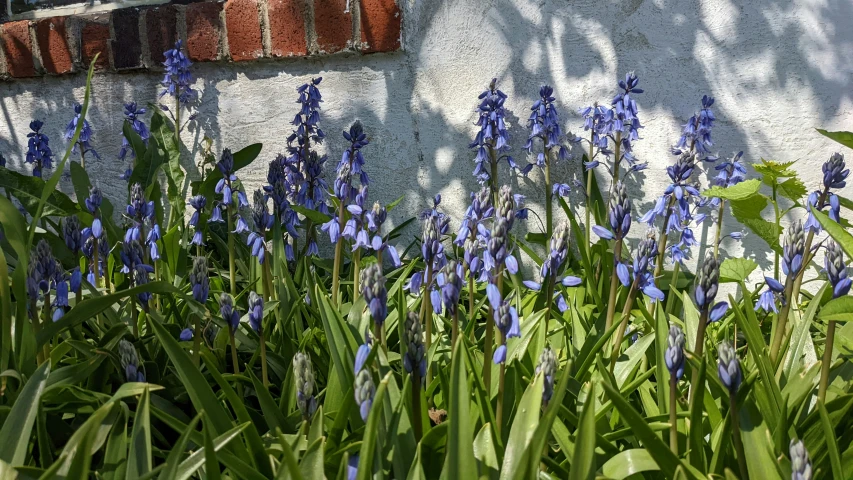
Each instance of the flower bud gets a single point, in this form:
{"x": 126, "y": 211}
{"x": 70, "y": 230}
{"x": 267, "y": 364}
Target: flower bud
{"x": 375, "y": 293}
{"x": 793, "y": 248}
{"x": 801, "y": 467}
{"x": 548, "y": 367}
{"x": 130, "y": 362}
{"x": 199, "y": 279}
{"x": 256, "y": 312}
{"x": 834, "y": 173}
{"x": 620, "y": 210}
{"x": 728, "y": 367}
{"x": 364, "y": 391}
{"x": 71, "y": 233}
{"x": 303, "y": 374}
{"x": 674, "y": 355}
{"x": 707, "y": 281}
{"x": 415, "y": 353}
{"x": 836, "y": 270}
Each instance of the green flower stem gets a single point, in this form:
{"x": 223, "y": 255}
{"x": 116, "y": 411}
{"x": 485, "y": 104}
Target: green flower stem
{"x": 782, "y": 320}
{"x": 623, "y": 325}
{"x": 720, "y": 214}
{"x": 807, "y": 259}
{"x": 378, "y": 334}
{"x": 356, "y": 274}
{"x": 95, "y": 262}
{"x": 493, "y": 180}
{"x": 34, "y": 313}
{"x": 826, "y": 364}
{"x": 778, "y": 217}
{"x": 339, "y": 250}
{"x": 472, "y": 316}
{"x": 234, "y": 358}
{"x": 614, "y": 285}
{"x": 197, "y": 341}
{"x": 134, "y": 318}
{"x": 232, "y": 267}
{"x": 426, "y": 315}
{"x": 673, "y": 414}
{"x": 589, "y": 174}
{"x": 454, "y": 332}
{"x": 663, "y": 238}
{"x": 416, "y": 405}
{"x": 673, "y": 284}
{"x": 617, "y": 157}
{"x": 549, "y": 295}
{"x": 549, "y": 207}
{"x": 270, "y": 293}
{"x": 501, "y": 380}
{"x": 487, "y": 352}
{"x": 263, "y": 359}
{"x": 697, "y": 352}
{"x": 741, "y": 456}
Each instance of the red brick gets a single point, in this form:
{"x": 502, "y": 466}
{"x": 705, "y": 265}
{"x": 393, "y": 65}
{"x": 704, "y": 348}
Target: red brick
{"x": 244, "y": 30}
{"x": 203, "y": 27}
{"x": 95, "y": 38}
{"x": 287, "y": 28}
{"x": 53, "y": 45}
{"x": 381, "y": 21}
{"x": 161, "y": 27}
{"x": 127, "y": 48}
{"x": 19, "y": 49}
{"x": 332, "y": 24}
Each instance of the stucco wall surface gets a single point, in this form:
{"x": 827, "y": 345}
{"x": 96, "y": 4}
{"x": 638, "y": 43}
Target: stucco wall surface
{"x": 777, "y": 70}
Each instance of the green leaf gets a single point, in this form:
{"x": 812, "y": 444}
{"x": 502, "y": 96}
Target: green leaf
{"x": 844, "y": 138}
{"x": 18, "y": 426}
{"x": 629, "y": 462}
{"x": 189, "y": 466}
{"x": 695, "y": 440}
{"x": 524, "y": 425}
{"x": 311, "y": 214}
{"x": 659, "y": 451}
{"x": 177, "y": 450}
{"x": 741, "y": 191}
{"x": 838, "y": 310}
{"x": 29, "y": 190}
{"x": 831, "y": 441}
{"x": 461, "y": 462}
{"x": 736, "y": 269}
{"x": 836, "y": 231}
{"x": 484, "y": 450}
{"x": 242, "y": 158}
{"x": 793, "y": 189}
{"x": 583, "y": 460}
{"x": 312, "y": 462}
{"x": 164, "y": 133}
{"x": 772, "y": 170}
{"x": 757, "y": 443}
{"x": 211, "y": 463}
{"x": 139, "y": 459}
{"x": 371, "y": 432}
{"x": 748, "y": 212}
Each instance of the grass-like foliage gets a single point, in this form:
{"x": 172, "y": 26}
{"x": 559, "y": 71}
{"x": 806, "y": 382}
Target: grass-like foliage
{"x": 192, "y": 329}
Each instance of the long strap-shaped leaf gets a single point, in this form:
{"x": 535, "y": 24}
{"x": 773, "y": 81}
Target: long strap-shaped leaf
{"x": 17, "y": 429}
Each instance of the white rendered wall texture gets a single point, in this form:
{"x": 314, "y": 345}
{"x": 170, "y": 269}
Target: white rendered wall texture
{"x": 777, "y": 69}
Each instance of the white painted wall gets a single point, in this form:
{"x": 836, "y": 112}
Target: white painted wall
{"x": 777, "y": 69}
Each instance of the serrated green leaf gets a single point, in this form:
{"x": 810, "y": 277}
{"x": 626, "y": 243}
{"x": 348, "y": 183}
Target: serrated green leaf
{"x": 793, "y": 189}
{"x": 736, "y": 269}
{"x": 748, "y": 212}
{"x": 844, "y": 138}
{"x": 772, "y": 170}
{"x": 740, "y": 191}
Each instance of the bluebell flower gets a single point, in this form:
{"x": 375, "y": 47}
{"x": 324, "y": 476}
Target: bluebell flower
{"x": 643, "y": 279}
{"x": 303, "y": 376}
{"x": 767, "y": 299}
{"x": 38, "y": 149}
{"x": 450, "y": 281}
{"x": 177, "y": 78}
{"x": 228, "y": 312}
{"x": 801, "y": 467}
{"x": 707, "y": 284}
{"x": 551, "y": 266}
{"x": 618, "y": 215}
{"x": 793, "y": 248}
{"x": 472, "y": 229}
{"x": 375, "y": 293}
{"x": 728, "y": 367}
{"x": 547, "y": 366}
{"x": 836, "y": 270}
{"x": 731, "y": 172}
{"x": 352, "y": 467}
{"x": 374, "y": 219}
{"x": 198, "y": 203}
{"x": 364, "y": 392}
{"x": 256, "y": 312}
{"x": 674, "y": 355}
{"x": 696, "y": 134}
{"x": 85, "y": 133}
{"x": 139, "y": 277}
{"x": 186, "y": 334}
{"x": 544, "y": 124}
{"x": 132, "y": 115}
{"x": 497, "y": 253}
{"x": 353, "y": 159}
{"x": 415, "y": 357}
{"x": 282, "y": 180}
{"x": 71, "y": 233}
{"x": 834, "y": 176}
{"x": 130, "y": 363}
{"x": 33, "y": 279}
{"x": 506, "y": 321}
{"x": 262, "y": 221}
{"x": 199, "y": 280}
{"x": 599, "y": 122}
{"x": 492, "y": 137}
{"x": 139, "y": 210}
{"x": 94, "y": 200}
{"x": 89, "y": 251}
{"x": 46, "y": 270}
{"x": 75, "y": 279}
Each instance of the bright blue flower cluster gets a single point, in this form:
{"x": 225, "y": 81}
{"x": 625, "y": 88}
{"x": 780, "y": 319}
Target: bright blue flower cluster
{"x": 281, "y": 187}
{"x": 228, "y": 312}
{"x": 707, "y": 284}
{"x": 85, "y": 133}
{"x": 256, "y": 312}
{"x": 227, "y": 186}
{"x": 551, "y": 266}
{"x": 140, "y": 212}
{"x": 435, "y": 226}
{"x": 198, "y": 203}
{"x": 132, "y": 115}
{"x": 643, "y": 278}
{"x": 44, "y": 274}
{"x": 177, "y": 79}
{"x": 38, "y": 149}
{"x": 834, "y": 176}
{"x": 674, "y": 355}
{"x": 262, "y": 221}
{"x": 492, "y": 138}
{"x": 506, "y": 320}
{"x": 374, "y": 292}
{"x": 473, "y": 229}
{"x": 364, "y": 387}
{"x": 836, "y": 270}
{"x": 450, "y": 281}
{"x": 498, "y": 251}
{"x": 544, "y": 125}
{"x": 618, "y": 215}
{"x": 696, "y": 134}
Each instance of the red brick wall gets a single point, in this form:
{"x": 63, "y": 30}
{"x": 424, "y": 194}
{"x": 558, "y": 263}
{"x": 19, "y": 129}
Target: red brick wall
{"x": 234, "y": 30}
